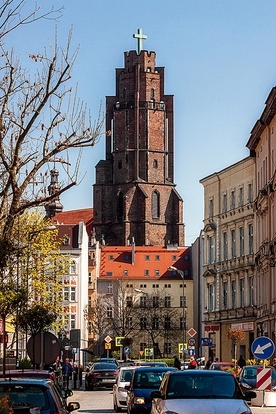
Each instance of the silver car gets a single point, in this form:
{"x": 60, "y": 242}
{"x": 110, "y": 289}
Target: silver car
{"x": 119, "y": 391}
{"x": 200, "y": 391}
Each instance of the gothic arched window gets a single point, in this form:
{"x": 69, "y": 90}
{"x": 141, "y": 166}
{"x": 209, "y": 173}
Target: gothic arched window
{"x": 155, "y": 204}
{"x": 120, "y": 206}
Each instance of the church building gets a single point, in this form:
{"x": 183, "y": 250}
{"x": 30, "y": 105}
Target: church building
{"x": 135, "y": 197}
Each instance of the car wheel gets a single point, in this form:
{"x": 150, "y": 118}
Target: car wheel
{"x": 116, "y": 408}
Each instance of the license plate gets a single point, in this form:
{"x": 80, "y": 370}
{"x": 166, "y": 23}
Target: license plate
{"x": 108, "y": 380}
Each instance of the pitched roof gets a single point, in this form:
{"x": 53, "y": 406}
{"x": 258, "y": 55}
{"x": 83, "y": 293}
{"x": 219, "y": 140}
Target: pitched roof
{"x": 74, "y": 216}
{"x": 143, "y": 262}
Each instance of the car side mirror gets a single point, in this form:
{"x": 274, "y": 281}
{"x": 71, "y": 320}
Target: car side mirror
{"x": 155, "y": 394}
{"x": 249, "y": 395}
{"x": 72, "y": 406}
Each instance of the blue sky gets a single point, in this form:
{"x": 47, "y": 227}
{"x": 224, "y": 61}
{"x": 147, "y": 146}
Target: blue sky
{"x": 220, "y": 64}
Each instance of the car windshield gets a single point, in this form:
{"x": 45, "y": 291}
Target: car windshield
{"x": 148, "y": 379}
{"x": 25, "y": 395}
{"x": 250, "y": 373}
{"x": 202, "y": 386}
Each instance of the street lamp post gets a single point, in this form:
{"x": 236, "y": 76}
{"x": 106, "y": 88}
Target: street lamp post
{"x": 181, "y": 273}
{"x": 148, "y": 306}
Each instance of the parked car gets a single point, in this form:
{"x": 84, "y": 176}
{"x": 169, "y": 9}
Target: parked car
{"x": 108, "y": 360}
{"x": 151, "y": 364}
{"x": 25, "y": 394}
{"x": 248, "y": 377}
{"x": 119, "y": 391}
{"x": 101, "y": 374}
{"x": 222, "y": 366}
{"x": 143, "y": 381}
{"x": 200, "y": 391}
{"x": 184, "y": 365}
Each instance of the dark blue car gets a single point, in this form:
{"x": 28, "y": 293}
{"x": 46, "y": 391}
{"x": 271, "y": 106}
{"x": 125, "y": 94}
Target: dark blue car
{"x": 248, "y": 377}
{"x": 143, "y": 381}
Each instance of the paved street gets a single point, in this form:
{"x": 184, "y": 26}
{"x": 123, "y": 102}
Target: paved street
{"x": 100, "y": 402}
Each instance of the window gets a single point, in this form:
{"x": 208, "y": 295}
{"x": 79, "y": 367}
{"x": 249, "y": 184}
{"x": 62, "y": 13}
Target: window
{"x": 73, "y": 294}
{"x": 250, "y": 193}
{"x": 232, "y": 200}
{"x": 66, "y": 241}
{"x": 167, "y": 348}
{"x": 155, "y": 322}
{"x": 157, "y": 273}
{"x": 120, "y": 206}
{"x": 129, "y": 322}
{"x": 143, "y": 302}
{"x": 167, "y": 301}
{"x": 147, "y": 258}
{"x": 73, "y": 321}
{"x": 66, "y": 293}
{"x": 155, "y": 204}
{"x": 224, "y": 295}
{"x": 143, "y": 323}
{"x": 157, "y": 257}
{"x": 167, "y": 285}
{"x": 225, "y": 246}
{"x": 108, "y": 273}
{"x": 129, "y": 301}
{"x": 109, "y": 288}
{"x": 155, "y": 164}
{"x": 182, "y": 323}
{"x": 233, "y": 243}
{"x": 211, "y": 207}
{"x": 125, "y": 272}
{"x": 89, "y": 301}
{"x": 211, "y": 304}
{"x": 183, "y": 301}
{"x": 147, "y": 272}
{"x": 109, "y": 312}
{"x": 143, "y": 345}
{"x": 174, "y": 258}
{"x": 155, "y": 286}
{"x": 240, "y": 196}
{"x": 111, "y": 258}
{"x": 186, "y": 258}
{"x": 186, "y": 272}
{"x": 120, "y": 164}
{"x": 211, "y": 242}
{"x": 242, "y": 293}
{"x": 233, "y": 294}
{"x": 73, "y": 267}
{"x": 250, "y": 239}
{"x": 152, "y": 93}
{"x": 167, "y": 324}
{"x": 241, "y": 241}
{"x": 155, "y": 301}
{"x": 250, "y": 291}
{"x": 224, "y": 203}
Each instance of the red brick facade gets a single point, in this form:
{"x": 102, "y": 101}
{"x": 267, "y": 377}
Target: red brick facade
{"x": 134, "y": 194}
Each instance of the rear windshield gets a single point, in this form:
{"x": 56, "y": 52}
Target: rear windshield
{"x": 25, "y": 395}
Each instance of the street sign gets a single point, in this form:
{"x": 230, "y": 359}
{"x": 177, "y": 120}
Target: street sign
{"x": 191, "y": 342}
{"x": 107, "y": 346}
{"x": 119, "y": 340}
{"x": 263, "y": 347}
{"x": 206, "y": 342}
{"x": 126, "y": 350}
{"x": 263, "y": 379}
{"x": 108, "y": 339}
{"x": 192, "y": 332}
{"x": 180, "y": 347}
{"x": 191, "y": 351}
{"x": 148, "y": 351}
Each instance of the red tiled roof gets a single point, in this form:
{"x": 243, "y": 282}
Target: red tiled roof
{"x": 119, "y": 262}
{"x": 74, "y": 216}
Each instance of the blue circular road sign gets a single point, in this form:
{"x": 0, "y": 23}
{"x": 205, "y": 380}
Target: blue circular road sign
{"x": 263, "y": 347}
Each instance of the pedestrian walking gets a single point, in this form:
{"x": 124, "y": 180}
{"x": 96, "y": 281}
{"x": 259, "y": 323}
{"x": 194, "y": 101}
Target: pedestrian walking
{"x": 177, "y": 363}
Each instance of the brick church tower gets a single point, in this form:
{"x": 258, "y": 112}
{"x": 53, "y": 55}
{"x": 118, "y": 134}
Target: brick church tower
{"x": 135, "y": 198}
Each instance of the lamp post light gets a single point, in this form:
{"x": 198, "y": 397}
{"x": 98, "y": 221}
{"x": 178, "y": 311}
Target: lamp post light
{"x": 181, "y": 273}
{"x": 148, "y": 306}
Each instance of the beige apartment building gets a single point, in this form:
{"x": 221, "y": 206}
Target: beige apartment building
{"x": 228, "y": 263}
{"x": 262, "y": 144}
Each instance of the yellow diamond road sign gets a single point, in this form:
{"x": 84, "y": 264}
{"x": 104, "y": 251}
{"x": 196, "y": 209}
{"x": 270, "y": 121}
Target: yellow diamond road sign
{"x": 108, "y": 339}
{"x": 192, "y": 332}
